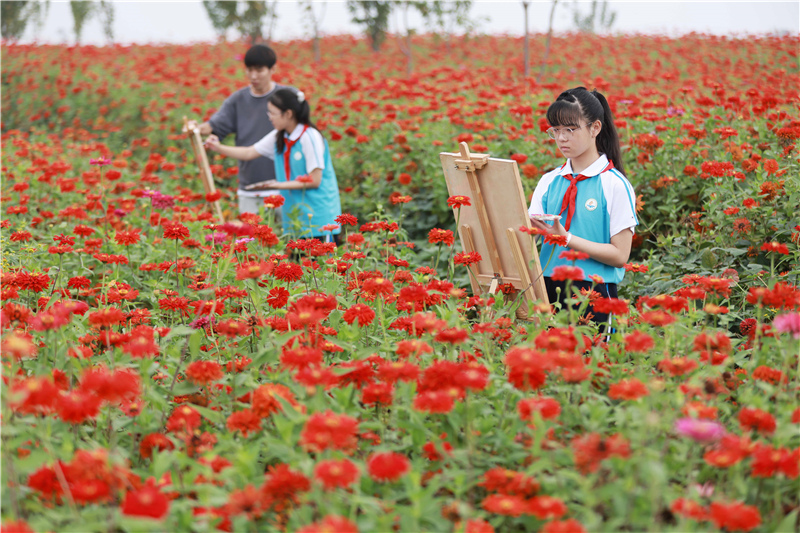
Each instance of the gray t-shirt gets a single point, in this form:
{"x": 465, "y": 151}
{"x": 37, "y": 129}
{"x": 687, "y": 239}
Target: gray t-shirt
{"x": 246, "y": 116}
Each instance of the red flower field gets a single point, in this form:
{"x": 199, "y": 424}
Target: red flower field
{"x": 163, "y": 371}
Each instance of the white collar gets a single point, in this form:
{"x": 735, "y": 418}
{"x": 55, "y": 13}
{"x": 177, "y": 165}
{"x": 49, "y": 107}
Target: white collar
{"x": 592, "y": 170}
{"x": 296, "y": 132}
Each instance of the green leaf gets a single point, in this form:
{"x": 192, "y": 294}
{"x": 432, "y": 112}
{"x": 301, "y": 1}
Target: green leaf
{"x": 788, "y": 524}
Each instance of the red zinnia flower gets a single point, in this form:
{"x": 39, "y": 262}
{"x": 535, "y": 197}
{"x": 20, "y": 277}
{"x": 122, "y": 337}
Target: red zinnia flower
{"x": 336, "y": 474}
{"x": 202, "y": 372}
{"x": 775, "y": 247}
{"x": 245, "y": 421}
{"x": 611, "y": 306}
{"x": 504, "y": 504}
{"x": 757, "y": 420}
{"x": 148, "y": 501}
{"x": 274, "y": 201}
{"x": 467, "y": 258}
{"x": 509, "y": 482}
{"x": 456, "y": 202}
{"x": 329, "y": 430}
{"x": 628, "y": 389}
{"x": 264, "y": 399}
{"x": 346, "y": 219}
{"x": 377, "y": 286}
{"x": 77, "y": 406}
{"x": 330, "y": 524}
{"x": 288, "y": 271}
{"x": 735, "y": 516}
{"x": 639, "y": 342}
{"x": 387, "y": 466}
{"x": 106, "y": 317}
{"x": 176, "y": 231}
{"x": 548, "y": 408}
{"x": 546, "y": 507}
{"x": 436, "y": 401}
{"x": 444, "y": 236}
{"x": 565, "y": 272}
{"x": 564, "y": 526}
{"x": 154, "y": 441}
{"x": 689, "y": 509}
{"x": 282, "y": 484}
{"x": 127, "y": 238}
{"x": 476, "y": 525}
{"x": 361, "y": 313}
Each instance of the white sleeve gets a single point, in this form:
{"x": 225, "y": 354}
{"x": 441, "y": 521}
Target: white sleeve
{"x": 537, "y": 207}
{"x": 313, "y": 146}
{"x": 621, "y": 201}
{"x": 537, "y": 201}
{"x": 266, "y": 146}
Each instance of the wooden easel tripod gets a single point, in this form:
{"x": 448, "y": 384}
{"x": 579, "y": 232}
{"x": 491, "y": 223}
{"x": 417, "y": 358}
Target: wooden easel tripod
{"x": 205, "y": 169}
{"x": 490, "y": 226}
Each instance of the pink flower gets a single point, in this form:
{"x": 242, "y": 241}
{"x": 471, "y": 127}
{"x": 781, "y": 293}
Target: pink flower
{"x": 700, "y": 430}
{"x": 788, "y": 324}
{"x": 100, "y": 161}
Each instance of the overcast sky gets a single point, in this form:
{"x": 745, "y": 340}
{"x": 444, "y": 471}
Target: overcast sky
{"x": 186, "y": 21}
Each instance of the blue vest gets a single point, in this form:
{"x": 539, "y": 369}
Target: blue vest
{"x": 322, "y": 203}
{"x": 591, "y": 221}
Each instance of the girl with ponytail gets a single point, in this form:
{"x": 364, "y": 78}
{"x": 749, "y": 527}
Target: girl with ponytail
{"x": 590, "y": 194}
{"x": 303, "y": 169}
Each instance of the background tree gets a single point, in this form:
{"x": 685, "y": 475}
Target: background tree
{"x": 374, "y": 16}
{"x": 445, "y": 17}
{"x": 83, "y": 11}
{"x": 404, "y": 30}
{"x": 313, "y": 20}
{"x": 246, "y": 17}
{"x": 15, "y": 15}
{"x": 527, "y": 45}
{"x": 603, "y": 18}
{"x": 543, "y": 64}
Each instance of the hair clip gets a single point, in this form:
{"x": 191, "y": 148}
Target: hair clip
{"x": 300, "y": 96}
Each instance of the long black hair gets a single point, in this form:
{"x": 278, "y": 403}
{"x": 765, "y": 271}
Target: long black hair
{"x": 289, "y": 99}
{"x": 577, "y": 103}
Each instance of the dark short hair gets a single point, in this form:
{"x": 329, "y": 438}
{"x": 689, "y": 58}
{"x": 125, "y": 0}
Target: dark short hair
{"x": 260, "y": 55}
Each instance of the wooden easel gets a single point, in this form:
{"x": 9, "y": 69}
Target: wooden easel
{"x": 490, "y": 226}
{"x": 205, "y": 169}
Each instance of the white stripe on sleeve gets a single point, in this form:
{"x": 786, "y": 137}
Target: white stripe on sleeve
{"x": 313, "y": 150}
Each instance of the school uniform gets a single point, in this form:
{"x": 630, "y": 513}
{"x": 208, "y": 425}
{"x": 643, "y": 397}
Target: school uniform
{"x": 305, "y": 149}
{"x": 605, "y": 205}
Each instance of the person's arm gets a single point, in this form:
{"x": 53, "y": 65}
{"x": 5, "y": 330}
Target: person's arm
{"x": 243, "y": 153}
{"x": 309, "y": 181}
{"x": 614, "y": 254}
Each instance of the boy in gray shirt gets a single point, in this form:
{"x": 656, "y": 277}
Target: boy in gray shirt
{"x": 244, "y": 113}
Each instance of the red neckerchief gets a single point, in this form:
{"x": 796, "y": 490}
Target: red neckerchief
{"x": 568, "y": 202}
{"x": 286, "y": 160}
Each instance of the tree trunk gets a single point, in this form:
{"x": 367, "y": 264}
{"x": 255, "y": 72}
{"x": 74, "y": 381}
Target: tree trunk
{"x": 547, "y": 43}
{"x": 527, "y": 42}
{"x": 409, "y": 55}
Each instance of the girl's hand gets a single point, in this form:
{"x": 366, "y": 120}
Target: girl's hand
{"x": 261, "y": 185}
{"x": 555, "y": 229}
{"x": 212, "y": 142}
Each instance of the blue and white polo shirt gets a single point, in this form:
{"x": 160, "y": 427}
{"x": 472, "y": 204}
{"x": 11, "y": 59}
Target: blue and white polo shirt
{"x": 605, "y": 205}
{"x": 313, "y": 208}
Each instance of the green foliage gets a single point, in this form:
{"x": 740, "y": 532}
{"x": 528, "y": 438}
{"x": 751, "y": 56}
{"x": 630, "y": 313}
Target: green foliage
{"x": 15, "y": 15}
{"x": 588, "y": 23}
{"x": 82, "y": 11}
{"x": 374, "y": 16}
{"x": 245, "y": 16}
